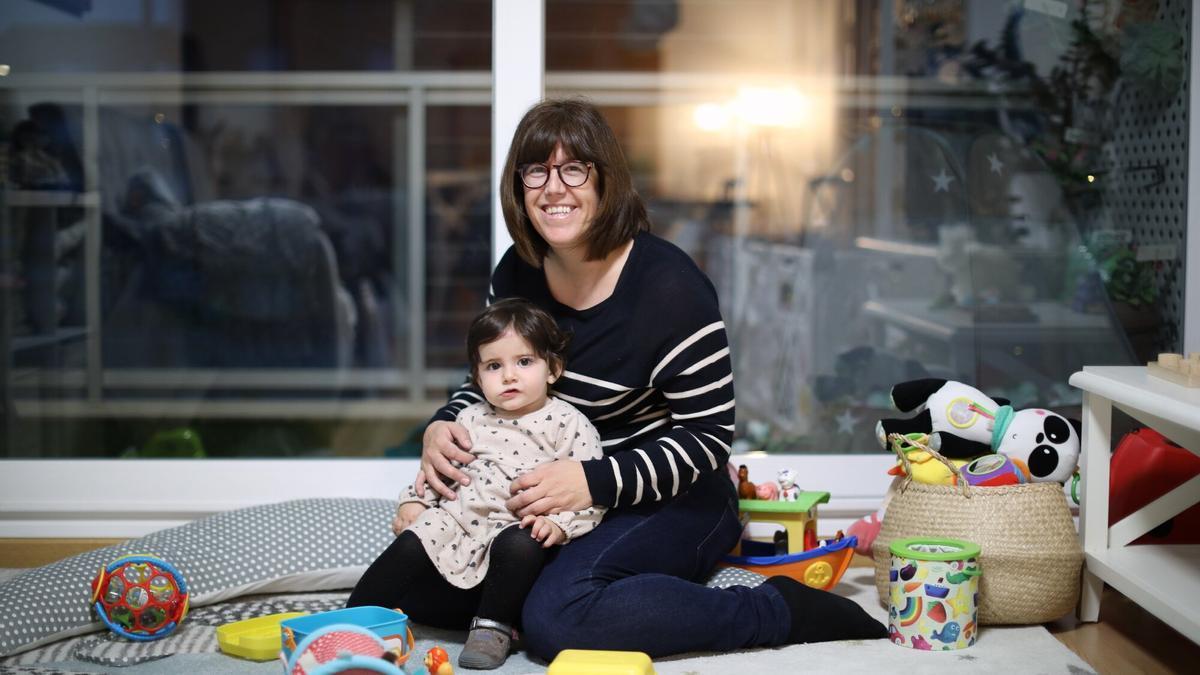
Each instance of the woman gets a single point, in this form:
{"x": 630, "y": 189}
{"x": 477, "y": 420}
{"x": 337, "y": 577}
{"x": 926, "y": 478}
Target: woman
{"x": 649, "y": 364}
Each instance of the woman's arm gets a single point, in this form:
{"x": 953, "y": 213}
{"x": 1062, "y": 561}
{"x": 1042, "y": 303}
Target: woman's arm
{"x": 688, "y": 438}
{"x": 446, "y": 440}
{"x": 695, "y": 375}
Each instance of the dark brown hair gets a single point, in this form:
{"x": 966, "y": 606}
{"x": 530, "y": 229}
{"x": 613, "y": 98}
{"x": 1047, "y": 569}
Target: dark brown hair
{"x": 529, "y": 321}
{"x": 587, "y": 137}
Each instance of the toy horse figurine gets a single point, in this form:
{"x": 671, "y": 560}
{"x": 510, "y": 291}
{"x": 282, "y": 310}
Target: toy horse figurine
{"x": 745, "y": 487}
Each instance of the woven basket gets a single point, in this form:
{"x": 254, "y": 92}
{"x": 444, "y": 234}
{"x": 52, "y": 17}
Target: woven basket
{"x": 1031, "y": 556}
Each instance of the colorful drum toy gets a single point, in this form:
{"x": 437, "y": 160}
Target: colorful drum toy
{"x": 934, "y": 593}
{"x": 992, "y": 470}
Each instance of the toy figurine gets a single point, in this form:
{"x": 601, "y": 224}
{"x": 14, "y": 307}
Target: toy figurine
{"x": 788, "y": 492}
{"x": 437, "y": 661}
{"x": 767, "y": 490}
{"x": 745, "y": 487}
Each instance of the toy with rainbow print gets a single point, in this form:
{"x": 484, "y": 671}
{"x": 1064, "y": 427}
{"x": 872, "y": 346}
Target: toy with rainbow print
{"x": 934, "y": 593}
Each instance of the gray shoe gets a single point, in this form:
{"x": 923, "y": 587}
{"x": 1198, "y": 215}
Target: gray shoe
{"x": 487, "y": 645}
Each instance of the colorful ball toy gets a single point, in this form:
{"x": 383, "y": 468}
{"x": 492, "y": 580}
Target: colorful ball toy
{"x": 140, "y": 597}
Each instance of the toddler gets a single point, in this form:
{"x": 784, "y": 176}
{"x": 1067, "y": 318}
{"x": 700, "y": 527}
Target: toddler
{"x": 472, "y": 550}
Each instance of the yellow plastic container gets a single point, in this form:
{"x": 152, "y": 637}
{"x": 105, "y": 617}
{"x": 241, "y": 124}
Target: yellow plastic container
{"x": 257, "y": 639}
{"x": 594, "y": 662}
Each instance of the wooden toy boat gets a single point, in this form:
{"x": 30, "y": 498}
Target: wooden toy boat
{"x": 807, "y": 560}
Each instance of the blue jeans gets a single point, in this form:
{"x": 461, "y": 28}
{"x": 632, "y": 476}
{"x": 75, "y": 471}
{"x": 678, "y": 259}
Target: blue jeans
{"x": 636, "y": 583}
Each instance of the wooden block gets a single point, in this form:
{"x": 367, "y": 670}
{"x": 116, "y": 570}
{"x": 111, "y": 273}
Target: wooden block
{"x": 594, "y": 662}
{"x": 1189, "y": 379}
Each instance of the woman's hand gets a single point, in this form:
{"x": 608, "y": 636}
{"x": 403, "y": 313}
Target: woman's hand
{"x": 544, "y": 530}
{"x": 442, "y": 443}
{"x": 406, "y": 513}
{"x": 550, "y": 488}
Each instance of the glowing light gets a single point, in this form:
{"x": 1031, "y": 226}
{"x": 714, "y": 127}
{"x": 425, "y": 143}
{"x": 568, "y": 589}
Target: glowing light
{"x": 1091, "y": 178}
{"x": 4, "y": 69}
{"x": 711, "y": 116}
{"x": 772, "y": 107}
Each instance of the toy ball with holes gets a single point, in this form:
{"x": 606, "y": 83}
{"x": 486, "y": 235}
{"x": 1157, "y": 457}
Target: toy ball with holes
{"x": 140, "y": 597}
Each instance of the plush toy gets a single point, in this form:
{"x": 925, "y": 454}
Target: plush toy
{"x": 140, "y": 597}
{"x": 964, "y": 423}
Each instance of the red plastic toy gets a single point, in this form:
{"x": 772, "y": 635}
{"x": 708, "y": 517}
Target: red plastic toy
{"x": 1145, "y": 466}
{"x": 140, "y": 597}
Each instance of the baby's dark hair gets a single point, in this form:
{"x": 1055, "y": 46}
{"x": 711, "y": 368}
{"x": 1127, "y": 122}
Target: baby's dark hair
{"x": 529, "y": 321}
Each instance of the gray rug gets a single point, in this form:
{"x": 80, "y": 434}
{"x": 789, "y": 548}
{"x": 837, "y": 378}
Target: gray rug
{"x": 193, "y": 648}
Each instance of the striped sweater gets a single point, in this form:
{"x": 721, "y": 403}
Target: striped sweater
{"x": 649, "y": 366}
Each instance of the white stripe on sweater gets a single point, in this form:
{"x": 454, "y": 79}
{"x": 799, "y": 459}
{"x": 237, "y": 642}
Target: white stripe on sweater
{"x": 716, "y": 325}
{"x": 712, "y": 458}
{"x": 700, "y": 390}
{"x": 639, "y": 432}
{"x": 682, "y": 453}
{"x": 652, "y": 472}
{"x": 703, "y": 413}
{"x": 590, "y": 402}
{"x": 715, "y": 356}
{"x": 599, "y": 383}
{"x": 616, "y": 474}
{"x": 626, "y": 408}
{"x": 670, "y": 455}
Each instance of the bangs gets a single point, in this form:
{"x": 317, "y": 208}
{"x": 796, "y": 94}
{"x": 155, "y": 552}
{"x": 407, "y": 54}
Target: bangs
{"x": 542, "y": 139}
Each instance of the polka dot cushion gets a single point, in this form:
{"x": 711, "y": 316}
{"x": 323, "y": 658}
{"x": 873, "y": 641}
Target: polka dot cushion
{"x": 307, "y": 545}
{"x": 304, "y": 545}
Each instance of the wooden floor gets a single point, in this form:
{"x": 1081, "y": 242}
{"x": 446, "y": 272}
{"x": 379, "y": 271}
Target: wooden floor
{"x": 1127, "y": 639}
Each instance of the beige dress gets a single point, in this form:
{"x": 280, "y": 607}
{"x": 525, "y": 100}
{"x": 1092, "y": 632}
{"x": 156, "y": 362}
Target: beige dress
{"x": 457, "y": 534}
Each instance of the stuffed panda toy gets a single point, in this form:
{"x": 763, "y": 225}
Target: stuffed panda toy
{"x": 963, "y": 423}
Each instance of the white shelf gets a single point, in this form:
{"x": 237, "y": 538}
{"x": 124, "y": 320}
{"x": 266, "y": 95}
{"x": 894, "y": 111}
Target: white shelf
{"x": 1164, "y": 579}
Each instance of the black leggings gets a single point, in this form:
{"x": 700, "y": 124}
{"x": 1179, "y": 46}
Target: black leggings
{"x": 403, "y": 577}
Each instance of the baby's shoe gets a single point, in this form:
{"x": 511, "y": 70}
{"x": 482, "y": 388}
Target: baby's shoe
{"x": 487, "y": 645}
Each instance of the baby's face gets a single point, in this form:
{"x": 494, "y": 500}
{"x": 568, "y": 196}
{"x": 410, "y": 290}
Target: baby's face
{"x": 513, "y": 378}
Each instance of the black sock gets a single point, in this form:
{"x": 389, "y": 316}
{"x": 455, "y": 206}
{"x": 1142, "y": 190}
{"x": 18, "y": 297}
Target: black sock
{"x": 821, "y": 616}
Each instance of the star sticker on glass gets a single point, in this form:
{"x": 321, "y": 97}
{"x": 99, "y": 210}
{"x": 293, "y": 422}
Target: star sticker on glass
{"x": 994, "y": 162}
{"x": 846, "y": 422}
{"x": 941, "y": 182}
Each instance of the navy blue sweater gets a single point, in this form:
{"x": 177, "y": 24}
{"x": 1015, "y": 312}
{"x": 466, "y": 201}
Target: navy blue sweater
{"x": 649, "y": 366}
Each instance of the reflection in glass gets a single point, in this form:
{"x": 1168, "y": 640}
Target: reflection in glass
{"x": 891, "y": 191}
{"x": 260, "y": 224}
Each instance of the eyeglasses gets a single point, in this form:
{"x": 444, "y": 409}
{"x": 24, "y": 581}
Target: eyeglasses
{"x": 572, "y": 174}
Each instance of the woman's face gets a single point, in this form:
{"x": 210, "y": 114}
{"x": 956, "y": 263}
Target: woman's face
{"x": 560, "y": 213}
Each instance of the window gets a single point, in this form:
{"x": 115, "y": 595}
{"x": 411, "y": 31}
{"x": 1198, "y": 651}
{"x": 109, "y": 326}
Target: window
{"x": 989, "y": 192}
{"x": 257, "y": 225}
{"x": 881, "y": 193}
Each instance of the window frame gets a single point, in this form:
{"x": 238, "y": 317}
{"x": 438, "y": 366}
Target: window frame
{"x": 78, "y": 498}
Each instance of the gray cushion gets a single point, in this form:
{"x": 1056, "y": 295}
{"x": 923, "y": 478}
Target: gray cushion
{"x": 306, "y": 545}
{"x": 303, "y": 545}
